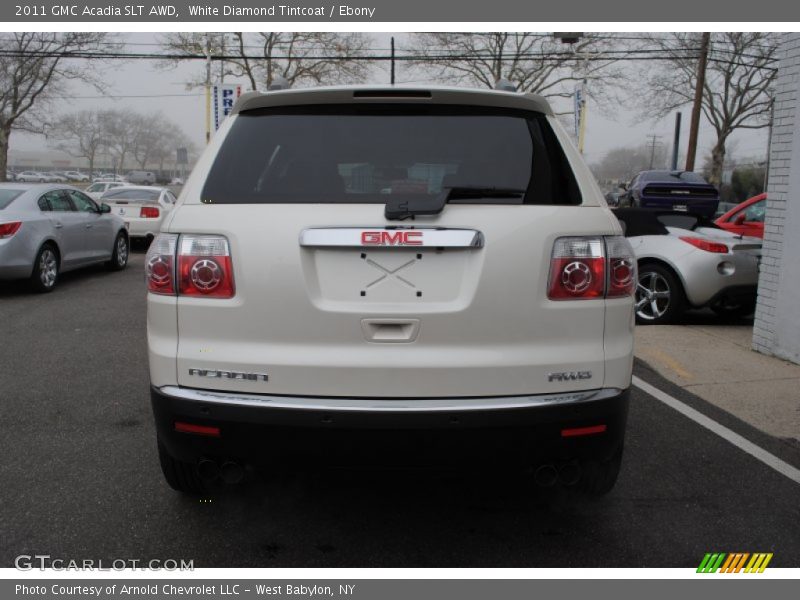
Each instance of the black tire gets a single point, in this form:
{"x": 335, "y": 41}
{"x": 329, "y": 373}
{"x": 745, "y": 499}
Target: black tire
{"x": 658, "y": 284}
{"x": 122, "y": 250}
{"x": 733, "y": 309}
{"x": 46, "y": 269}
{"x": 599, "y": 476}
{"x": 181, "y": 476}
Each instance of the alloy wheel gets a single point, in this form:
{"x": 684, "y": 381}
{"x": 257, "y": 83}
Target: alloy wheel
{"x": 652, "y": 296}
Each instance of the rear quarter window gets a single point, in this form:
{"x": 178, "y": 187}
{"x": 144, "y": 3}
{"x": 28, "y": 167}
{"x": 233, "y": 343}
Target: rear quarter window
{"x": 7, "y": 197}
{"x": 367, "y": 153}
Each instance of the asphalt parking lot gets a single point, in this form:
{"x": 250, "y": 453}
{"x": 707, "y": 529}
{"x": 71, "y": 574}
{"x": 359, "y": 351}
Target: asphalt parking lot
{"x": 80, "y": 476}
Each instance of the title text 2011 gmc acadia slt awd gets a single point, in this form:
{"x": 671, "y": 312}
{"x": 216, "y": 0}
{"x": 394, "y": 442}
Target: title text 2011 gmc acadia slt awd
{"x": 431, "y": 272}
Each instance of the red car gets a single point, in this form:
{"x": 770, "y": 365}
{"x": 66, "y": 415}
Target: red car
{"x": 746, "y": 218}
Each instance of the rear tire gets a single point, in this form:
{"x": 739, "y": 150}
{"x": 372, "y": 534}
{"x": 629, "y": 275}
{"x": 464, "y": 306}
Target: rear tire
{"x": 122, "y": 250}
{"x": 659, "y": 295}
{"x": 733, "y": 310}
{"x": 180, "y": 476}
{"x": 600, "y": 476}
{"x": 45, "y": 269}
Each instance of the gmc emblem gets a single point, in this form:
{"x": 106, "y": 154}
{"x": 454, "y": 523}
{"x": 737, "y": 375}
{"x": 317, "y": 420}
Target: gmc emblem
{"x": 391, "y": 238}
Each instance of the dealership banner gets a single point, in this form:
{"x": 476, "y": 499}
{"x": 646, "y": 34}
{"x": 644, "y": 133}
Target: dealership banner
{"x": 316, "y": 11}
{"x": 223, "y": 97}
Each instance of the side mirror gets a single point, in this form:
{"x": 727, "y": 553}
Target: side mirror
{"x": 104, "y": 208}
{"x": 740, "y": 218}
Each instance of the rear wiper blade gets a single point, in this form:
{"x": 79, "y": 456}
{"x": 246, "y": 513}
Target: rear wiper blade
{"x": 398, "y": 209}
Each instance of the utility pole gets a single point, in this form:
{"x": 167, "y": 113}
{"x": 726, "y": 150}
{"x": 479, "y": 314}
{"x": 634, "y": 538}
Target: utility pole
{"x": 676, "y": 140}
{"x": 698, "y": 101}
{"x": 653, "y": 143}
{"x": 208, "y": 88}
{"x": 392, "y": 60}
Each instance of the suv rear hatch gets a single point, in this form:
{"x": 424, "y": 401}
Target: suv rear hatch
{"x": 334, "y": 299}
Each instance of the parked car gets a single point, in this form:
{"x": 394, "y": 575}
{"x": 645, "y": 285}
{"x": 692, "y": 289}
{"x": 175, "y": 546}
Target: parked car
{"x": 685, "y": 262}
{"x": 141, "y": 177}
{"x": 671, "y": 190}
{"x": 144, "y": 208}
{"x": 56, "y": 177}
{"x": 77, "y": 176}
{"x": 47, "y": 230}
{"x": 612, "y": 198}
{"x": 105, "y": 177}
{"x": 32, "y": 177}
{"x": 176, "y": 181}
{"x": 380, "y": 263}
{"x": 746, "y": 218}
{"x": 98, "y": 188}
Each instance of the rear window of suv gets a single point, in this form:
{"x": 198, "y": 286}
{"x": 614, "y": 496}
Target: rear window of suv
{"x": 366, "y": 153}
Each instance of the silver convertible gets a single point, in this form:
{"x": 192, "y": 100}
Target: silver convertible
{"x": 48, "y": 229}
{"x": 685, "y": 261}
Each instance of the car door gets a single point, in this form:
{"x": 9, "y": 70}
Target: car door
{"x": 68, "y": 227}
{"x": 99, "y": 234}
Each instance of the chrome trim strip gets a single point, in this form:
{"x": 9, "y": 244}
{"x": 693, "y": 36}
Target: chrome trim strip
{"x": 410, "y": 405}
{"x": 382, "y": 237}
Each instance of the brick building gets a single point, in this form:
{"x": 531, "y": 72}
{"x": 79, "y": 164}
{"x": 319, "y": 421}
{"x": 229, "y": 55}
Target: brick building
{"x": 777, "y": 320}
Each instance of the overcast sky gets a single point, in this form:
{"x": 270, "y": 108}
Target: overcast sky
{"x": 144, "y": 87}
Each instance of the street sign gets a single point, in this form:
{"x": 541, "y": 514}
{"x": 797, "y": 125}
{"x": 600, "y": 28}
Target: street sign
{"x": 223, "y": 97}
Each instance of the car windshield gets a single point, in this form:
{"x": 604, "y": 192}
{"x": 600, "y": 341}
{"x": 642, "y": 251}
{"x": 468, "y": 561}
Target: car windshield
{"x": 132, "y": 195}
{"x": 7, "y": 197}
{"x": 366, "y": 154}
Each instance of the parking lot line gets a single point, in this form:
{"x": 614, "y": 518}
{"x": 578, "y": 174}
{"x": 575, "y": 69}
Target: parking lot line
{"x": 734, "y": 438}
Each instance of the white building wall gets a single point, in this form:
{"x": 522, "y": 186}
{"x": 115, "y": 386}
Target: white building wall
{"x": 777, "y": 321}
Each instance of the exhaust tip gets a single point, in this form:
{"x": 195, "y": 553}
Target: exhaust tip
{"x": 569, "y": 473}
{"x": 232, "y": 472}
{"x": 208, "y": 470}
{"x": 545, "y": 476}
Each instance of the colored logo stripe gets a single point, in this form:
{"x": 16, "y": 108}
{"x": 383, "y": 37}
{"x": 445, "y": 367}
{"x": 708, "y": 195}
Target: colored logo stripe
{"x": 734, "y": 562}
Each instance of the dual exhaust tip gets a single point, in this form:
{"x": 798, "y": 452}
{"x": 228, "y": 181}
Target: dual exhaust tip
{"x": 568, "y": 473}
{"x": 230, "y": 472}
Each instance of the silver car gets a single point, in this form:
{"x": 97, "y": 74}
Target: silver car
{"x": 48, "y": 229}
{"x": 686, "y": 262}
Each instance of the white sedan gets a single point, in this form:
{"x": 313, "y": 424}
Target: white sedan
{"x": 685, "y": 261}
{"x": 97, "y": 189}
{"x": 143, "y": 207}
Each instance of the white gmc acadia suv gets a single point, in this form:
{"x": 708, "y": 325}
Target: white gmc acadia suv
{"x": 402, "y": 274}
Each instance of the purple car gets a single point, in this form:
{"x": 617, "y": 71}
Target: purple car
{"x": 683, "y": 191}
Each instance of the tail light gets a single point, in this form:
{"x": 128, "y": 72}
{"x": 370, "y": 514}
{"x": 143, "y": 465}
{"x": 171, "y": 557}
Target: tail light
{"x": 577, "y": 269}
{"x": 159, "y": 265}
{"x": 583, "y": 268}
{"x": 706, "y": 245}
{"x": 7, "y": 230}
{"x": 149, "y": 212}
{"x": 205, "y": 267}
{"x": 622, "y": 275}
{"x": 190, "y": 265}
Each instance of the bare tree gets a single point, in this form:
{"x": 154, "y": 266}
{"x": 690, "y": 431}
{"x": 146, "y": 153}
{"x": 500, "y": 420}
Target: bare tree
{"x": 81, "y": 134}
{"x": 34, "y": 67}
{"x": 737, "y": 93}
{"x": 621, "y": 164}
{"x": 121, "y": 130}
{"x": 534, "y": 62}
{"x": 260, "y": 57}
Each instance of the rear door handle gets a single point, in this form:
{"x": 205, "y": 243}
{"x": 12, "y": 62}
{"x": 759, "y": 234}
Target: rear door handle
{"x": 88, "y": 226}
{"x": 58, "y": 225}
